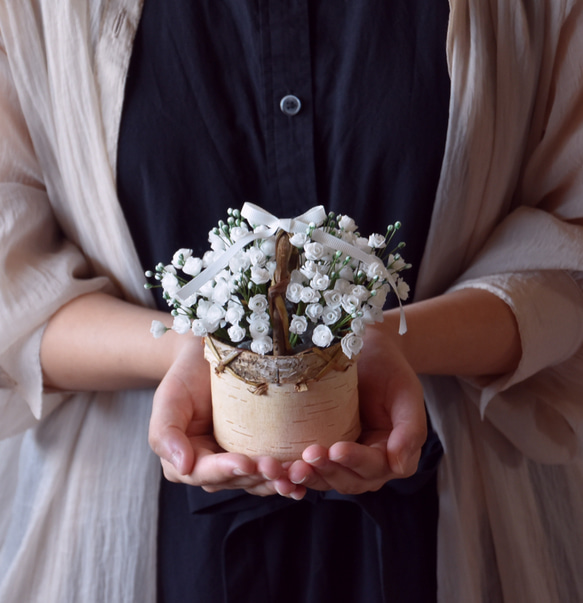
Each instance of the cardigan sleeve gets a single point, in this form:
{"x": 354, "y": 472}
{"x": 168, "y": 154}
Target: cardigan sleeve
{"x": 40, "y": 270}
{"x": 533, "y": 261}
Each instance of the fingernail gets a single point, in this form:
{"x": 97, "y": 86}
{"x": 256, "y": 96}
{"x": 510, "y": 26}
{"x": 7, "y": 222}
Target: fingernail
{"x": 298, "y": 482}
{"x": 176, "y": 459}
{"x": 296, "y": 495}
{"x": 240, "y": 473}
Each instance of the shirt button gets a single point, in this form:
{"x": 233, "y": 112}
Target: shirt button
{"x": 290, "y": 105}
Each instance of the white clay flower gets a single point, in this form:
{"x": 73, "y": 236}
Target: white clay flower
{"x": 322, "y": 336}
{"x": 314, "y": 312}
{"x": 236, "y": 333}
{"x": 331, "y": 315}
{"x": 298, "y": 324}
{"x": 262, "y": 345}
{"x": 351, "y": 344}
{"x": 347, "y": 224}
{"x": 258, "y": 303}
{"x": 158, "y": 329}
{"x": 181, "y": 324}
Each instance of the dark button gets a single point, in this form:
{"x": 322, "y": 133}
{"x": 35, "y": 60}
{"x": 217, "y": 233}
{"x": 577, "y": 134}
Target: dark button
{"x": 290, "y": 105}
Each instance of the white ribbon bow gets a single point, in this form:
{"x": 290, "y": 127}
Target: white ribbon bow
{"x": 257, "y": 216}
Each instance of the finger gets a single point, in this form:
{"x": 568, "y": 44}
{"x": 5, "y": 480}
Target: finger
{"x": 407, "y": 437}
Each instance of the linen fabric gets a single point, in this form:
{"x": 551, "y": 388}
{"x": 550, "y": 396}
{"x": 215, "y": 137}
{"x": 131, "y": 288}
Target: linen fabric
{"x": 202, "y": 129}
{"x": 79, "y": 503}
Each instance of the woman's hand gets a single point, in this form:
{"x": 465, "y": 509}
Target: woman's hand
{"x": 181, "y": 434}
{"x": 393, "y": 421}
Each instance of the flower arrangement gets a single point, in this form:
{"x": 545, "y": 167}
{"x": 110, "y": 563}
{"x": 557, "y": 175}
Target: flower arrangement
{"x": 282, "y": 286}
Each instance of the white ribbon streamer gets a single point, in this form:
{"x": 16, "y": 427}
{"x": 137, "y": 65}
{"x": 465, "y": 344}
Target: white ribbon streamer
{"x": 269, "y": 225}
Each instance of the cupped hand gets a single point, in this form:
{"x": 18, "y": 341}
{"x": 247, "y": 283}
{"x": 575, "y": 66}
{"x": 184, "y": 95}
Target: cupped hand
{"x": 394, "y": 427}
{"x": 181, "y": 435}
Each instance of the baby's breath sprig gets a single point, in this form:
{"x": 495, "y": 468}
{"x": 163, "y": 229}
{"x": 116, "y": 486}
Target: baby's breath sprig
{"x": 331, "y": 295}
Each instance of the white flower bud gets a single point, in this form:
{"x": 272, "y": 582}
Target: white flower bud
{"x": 259, "y": 275}
{"x": 314, "y": 251}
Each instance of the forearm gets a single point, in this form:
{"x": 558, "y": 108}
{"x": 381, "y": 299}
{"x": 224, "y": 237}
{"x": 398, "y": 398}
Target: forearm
{"x": 98, "y": 342}
{"x": 469, "y": 332}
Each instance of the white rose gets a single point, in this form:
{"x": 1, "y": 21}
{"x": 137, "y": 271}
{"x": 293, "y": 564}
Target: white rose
{"x": 202, "y": 308}
{"x": 207, "y": 289}
{"x": 350, "y": 303}
{"x": 234, "y": 313}
{"x": 192, "y": 266}
{"x": 239, "y": 263}
{"x": 170, "y": 284}
{"x": 180, "y": 257}
{"x": 320, "y": 282}
{"x": 361, "y": 292}
{"x": 236, "y": 333}
{"x": 314, "y": 311}
{"x": 294, "y": 292}
{"x": 375, "y": 269}
{"x": 256, "y": 256}
{"x": 258, "y": 303}
{"x": 258, "y": 316}
{"x": 181, "y": 324}
{"x": 262, "y": 345}
{"x": 333, "y": 298}
{"x": 309, "y": 269}
{"x": 309, "y": 296}
{"x": 214, "y": 314}
{"x": 347, "y": 224}
{"x": 351, "y": 344}
{"x": 221, "y": 293}
{"x": 299, "y": 239}
{"x": 268, "y": 246}
{"x": 199, "y": 328}
{"x": 259, "y": 275}
{"x": 209, "y": 257}
{"x": 314, "y": 251}
{"x": 238, "y": 232}
{"x": 259, "y": 328}
{"x": 331, "y": 315}
{"x": 158, "y": 329}
{"x": 376, "y": 241}
{"x": 298, "y": 324}
{"x": 322, "y": 336}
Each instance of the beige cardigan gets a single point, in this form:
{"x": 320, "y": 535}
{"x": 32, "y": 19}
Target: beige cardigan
{"x": 78, "y": 501}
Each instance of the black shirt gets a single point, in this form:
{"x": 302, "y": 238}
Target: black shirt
{"x": 288, "y": 104}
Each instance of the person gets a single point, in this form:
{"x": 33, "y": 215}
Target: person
{"x": 495, "y": 330}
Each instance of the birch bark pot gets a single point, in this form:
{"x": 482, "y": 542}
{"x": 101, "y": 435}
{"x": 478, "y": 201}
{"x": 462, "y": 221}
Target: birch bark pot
{"x": 279, "y": 405}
